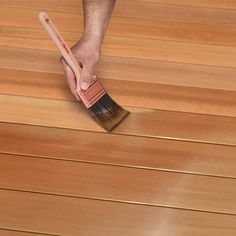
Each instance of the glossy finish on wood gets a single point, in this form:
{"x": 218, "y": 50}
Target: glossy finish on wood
{"x": 128, "y": 69}
{"x": 121, "y": 150}
{"x": 136, "y": 47}
{"x": 152, "y": 123}
{"x": 157, "y": 188}
{"x": 93, "y": 217}
{"x": 159, "y": 96}
{"x": 169, "y": 169}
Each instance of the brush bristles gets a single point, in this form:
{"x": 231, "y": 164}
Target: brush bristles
{"x": 107, "y": 113}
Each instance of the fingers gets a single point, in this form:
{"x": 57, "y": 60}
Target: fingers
{"x": 86, "y": 57}
{"x": 70, "y": 78}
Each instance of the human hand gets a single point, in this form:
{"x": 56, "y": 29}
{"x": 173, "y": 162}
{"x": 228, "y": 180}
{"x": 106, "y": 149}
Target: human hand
{"x": 87, "y": 52}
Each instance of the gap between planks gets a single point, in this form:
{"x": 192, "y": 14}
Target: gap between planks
{"x": 140, "y": 70}
{"x": 123, "y": 219}
{"x": 141, "y": 122}
{"x": 147, "y": 153}
{"x": 115, "y": 165}
{"x": 19, "y": 232}
{"x": 126, "y": 8}
{"x": 166, "y": 31}
{"x": 106, "y": 200}
{"x": 147, "y": 49}
{"x": 127, "y": 93}
{"x": 118, "y": 184}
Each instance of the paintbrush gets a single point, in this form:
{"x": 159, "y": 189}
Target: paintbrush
{"x": 105, "y": 111}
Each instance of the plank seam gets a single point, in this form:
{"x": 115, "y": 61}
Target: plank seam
{"x": 125, "y": 134}
{"x": 118, "y": 79}
{"x": 62, "y": 159}
{"x": 132, "y": 58}
{"x": 28, "y": 231}
{"x": 131, "y": 37}
{"x": 152, "y": 109}
{"x": 117, "y": 201}
{"x": 115, "y": 15}
{"x": 129, "y": 106}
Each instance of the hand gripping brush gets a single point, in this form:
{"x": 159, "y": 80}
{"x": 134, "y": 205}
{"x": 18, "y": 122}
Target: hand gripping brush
{"x": 106, "y": 112}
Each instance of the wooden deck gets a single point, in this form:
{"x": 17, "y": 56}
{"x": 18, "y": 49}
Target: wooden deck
{"x": 167, "y": 170}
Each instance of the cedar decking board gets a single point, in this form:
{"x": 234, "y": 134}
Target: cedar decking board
{"x": 168, "y": 169}
{"x": 94, "y": 217}
{"x": 131, "y": 69}
{"x": 135, "y": 93}
{"x": 226, "y": 4}
{"x": 159, "y": 188}
{"x": 121, "y": 150}
{"x": 131, "y": 9}
{"x": 136, "y": 47}
{"x": 141, "y": 122}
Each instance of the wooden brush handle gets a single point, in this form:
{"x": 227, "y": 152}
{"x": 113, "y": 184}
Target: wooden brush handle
{"x": 61, "y": 45}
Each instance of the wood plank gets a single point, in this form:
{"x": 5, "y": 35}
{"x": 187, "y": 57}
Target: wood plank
{"x": 128, "y": 93}
{"x": 141, "y": 121}
{"x": 133, "y": 9}
{"x": 180, "y": 31}
{"x": 121, "y": 150}
{"x": 131, "y": 185}
{"x": 118, "y": 26}
{"x": 80, "y": 216}
{"x": 174, "y": 31}
{"x": 150, "y": 49}
{"x": 226, "y": 4}
{"x": 72, "y": 216}
{"x": 12, "y": 232}
{"x": 126, "y": 69}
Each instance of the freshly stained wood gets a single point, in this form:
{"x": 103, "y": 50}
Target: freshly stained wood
{"x": 74, "y": 216}
{"x": 120, "y": 150}
{"x": 140, "y": 186}
{"x": 141, "y": 121}
{"x": 129, "y": 93}
{"x": 126, "y": 69}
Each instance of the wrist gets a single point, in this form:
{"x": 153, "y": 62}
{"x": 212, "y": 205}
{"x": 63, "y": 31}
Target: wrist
{"x": 87, "y": 50}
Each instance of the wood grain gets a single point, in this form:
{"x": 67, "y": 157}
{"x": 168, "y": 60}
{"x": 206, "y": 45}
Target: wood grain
{"x": 141, "y": 121}
{"x": 118, "y": 183}
{"x": 133, "y": 9}
{"x": 216, "y": 34}
{"x": 73, "y": 216}
{"x": 191, "y": 53}
{"x": 226, "y": 4}
{"x": 128, "y": 93}
{"x": 169, "y": 169}
{"x": 119, "y": 150}
{"x": 126, "y": 69}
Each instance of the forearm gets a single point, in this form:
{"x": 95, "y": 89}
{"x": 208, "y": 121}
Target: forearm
{"x": 88, "y": 49}
{"x": 96, "y": 18}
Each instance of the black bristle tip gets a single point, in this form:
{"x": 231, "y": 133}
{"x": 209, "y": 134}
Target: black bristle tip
{"x": 107, "y": 113}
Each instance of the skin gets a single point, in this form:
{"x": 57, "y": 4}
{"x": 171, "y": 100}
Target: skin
{"x": 88, "y": 49}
